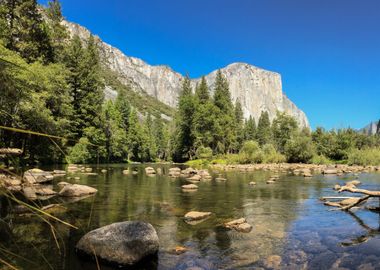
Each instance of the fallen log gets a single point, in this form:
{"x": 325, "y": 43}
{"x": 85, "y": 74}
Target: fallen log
{"x": 10, "y": 151}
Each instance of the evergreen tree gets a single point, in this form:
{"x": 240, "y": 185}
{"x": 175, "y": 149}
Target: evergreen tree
{"x": 263, "y": 132}
{"x": 184, "y": 132}
{"x": 57, "y": 32}
{"x": 202, "y": 92}
{"x": 26, "y": 32}
{"x": 378, "y": 128}
{"x": 85, "y": 85}
{"x": 239, "y": 124}
{"x": 284, "y": 127}
{"x": 161, "y": 138}
{"x": 225, "y": 135}
{"x": 250, "y": 129}
{"x": 123, "y": 106}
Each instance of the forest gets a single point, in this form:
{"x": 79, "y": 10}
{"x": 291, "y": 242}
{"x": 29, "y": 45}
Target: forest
{"x": 53, "y": 84}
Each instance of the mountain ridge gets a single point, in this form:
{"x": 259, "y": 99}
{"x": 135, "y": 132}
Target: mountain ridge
{"x": 256, "y": 88}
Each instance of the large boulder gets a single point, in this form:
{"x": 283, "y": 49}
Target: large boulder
{"x": 77, "y": 190}
{"x": 123, "y": 243}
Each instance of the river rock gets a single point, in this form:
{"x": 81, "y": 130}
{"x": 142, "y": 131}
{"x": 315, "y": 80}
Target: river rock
{"x": 123, "y": 243}
{"x": 195, "y": 215}
{"x": 44, "y": 191}
{"x": 38, "y": 176}
{"x": 252, "y": 183}
{"x": 273, "y": 262}
{"x": 29, "y": 193}
{"x": 330, "y": 171}
{"x": 239, "y": 225}
{"x": 77, "y": 190}
{"x": 59, "y": 172}
{"x": 125, "y": 172}
{"x": 270, "y": 182}
{"x": 190, "y": 186}
{"x": 174, "y": 172}
{"x": 195, "y": 178}
{"x": 150, "y": 170}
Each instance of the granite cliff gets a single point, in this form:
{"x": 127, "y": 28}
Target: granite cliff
{"x": 257, "y": 89}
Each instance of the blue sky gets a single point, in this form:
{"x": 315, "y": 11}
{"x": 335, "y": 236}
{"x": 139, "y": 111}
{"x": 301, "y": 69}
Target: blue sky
{"x": 327, "y": 51}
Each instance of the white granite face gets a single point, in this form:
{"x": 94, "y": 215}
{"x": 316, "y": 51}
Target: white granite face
{"x": 257, "y": 89}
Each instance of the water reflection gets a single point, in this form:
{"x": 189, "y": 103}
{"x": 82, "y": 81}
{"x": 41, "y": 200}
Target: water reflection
{"x": 291, "y": 228}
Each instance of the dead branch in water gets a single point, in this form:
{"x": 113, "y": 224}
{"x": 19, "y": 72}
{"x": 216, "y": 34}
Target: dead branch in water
{"x": 10, "y": 151}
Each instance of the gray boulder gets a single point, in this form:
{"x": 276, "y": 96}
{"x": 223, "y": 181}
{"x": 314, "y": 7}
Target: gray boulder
{"x": 123, "y": 243}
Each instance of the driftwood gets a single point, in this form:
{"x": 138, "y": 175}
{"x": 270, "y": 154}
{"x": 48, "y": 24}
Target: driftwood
{"x": 10, "y": 151}
{"x": 350, "y": 202}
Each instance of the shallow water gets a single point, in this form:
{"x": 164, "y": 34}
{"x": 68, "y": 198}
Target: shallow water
{"x": 292, "y": 229}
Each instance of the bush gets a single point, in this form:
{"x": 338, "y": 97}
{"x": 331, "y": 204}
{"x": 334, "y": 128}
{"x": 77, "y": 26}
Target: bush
{"x": 368, "y": 156}
{"x": 80, "y": 152}
{"x": 197, "y": 162}
{"x": 250, "y": 153}
{"x": 271, "y": 155}
{"x": 299, "y": 149}
{"x": 204, "y": 152}
{"x": 320, "y": 160}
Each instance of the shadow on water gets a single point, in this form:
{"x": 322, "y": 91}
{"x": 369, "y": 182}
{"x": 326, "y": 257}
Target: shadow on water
{"x": 292, "y": 229}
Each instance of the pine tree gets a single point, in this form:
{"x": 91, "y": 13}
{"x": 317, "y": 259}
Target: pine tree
{"x": 85, "y": 85}
{"x": 57, "y": 32}
{"x": 124, "y": 108}
{"x": 184, "y": 136}
{"x": 26, "y": 32}
{"x": 250, "y": 129}
{"x": 263, "y": 133}
{"x": 225, "y": 135}
{"x": 161, "y": 138}
{"x": 202, "y": 92}
{"x": 239, "y": 124}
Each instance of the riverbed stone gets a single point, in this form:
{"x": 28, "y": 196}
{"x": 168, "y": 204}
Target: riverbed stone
{"x": 273, "y": 262}
{"x": 190, "y": 186}
{"x": 76, "y": 190}
{"x": 38, "y": 176}
{"x": 150, "y": 170}
{"x": 126, "y": 172}
{"x": 196, "y": 215}
{"x": 123, "y": 243}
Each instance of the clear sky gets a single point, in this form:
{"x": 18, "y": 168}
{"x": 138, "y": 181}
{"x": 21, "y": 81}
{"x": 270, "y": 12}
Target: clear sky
{"x": 327, "y": 51}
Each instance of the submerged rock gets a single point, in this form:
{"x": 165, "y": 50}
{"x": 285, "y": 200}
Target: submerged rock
{"x": 239, "y": 225}
{"x": 150, "y": 170}
{"x": 77, "y": 190}
{"x": 124, "y": 243}
{"x": 196, "y": 216}
{"x": 190, "y": 186}
{"x": 125, "y": 172}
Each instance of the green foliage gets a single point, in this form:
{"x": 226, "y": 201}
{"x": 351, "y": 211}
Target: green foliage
{"x": 263, "y": 132}
{"x": 203, "y": 153}
{"x": 250, "y": 129}
{"x": 320, "y": 160}
{"x": 284, "y": 128}
{"x": 25, "y": 31}
{"x": 271, "y": 155}
{"x": 184, "y": 130}
{"x": 250, "y": 153}
{"x": 80, "y": 153}
{"x": 365, "y": 157}
{"x": 299, "y": 149}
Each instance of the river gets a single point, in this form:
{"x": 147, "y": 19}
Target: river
{"x": 292, "y": 229}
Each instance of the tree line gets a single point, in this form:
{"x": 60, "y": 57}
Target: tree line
{"x": 53, "y": 83}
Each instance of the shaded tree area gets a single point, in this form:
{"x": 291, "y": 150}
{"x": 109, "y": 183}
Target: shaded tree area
{"x": 52, "y": 84}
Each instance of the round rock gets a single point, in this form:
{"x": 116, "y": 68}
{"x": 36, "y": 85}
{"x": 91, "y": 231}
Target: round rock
{"x": 123, "y": 243}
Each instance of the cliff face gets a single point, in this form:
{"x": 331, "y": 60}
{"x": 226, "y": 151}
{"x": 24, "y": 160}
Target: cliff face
{"x": 372, "y": 128}
{"x": 257, "y": 89}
